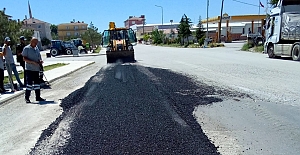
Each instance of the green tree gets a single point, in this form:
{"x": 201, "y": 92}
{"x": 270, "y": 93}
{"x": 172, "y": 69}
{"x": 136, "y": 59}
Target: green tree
{"x": 199, "y": 31}
{"x": 146, "y": 37}
{"x": 54, "y": 29}
{"x": 184, "y": 29}
{"x": 45, "y": 41}
{"x": 158, "y": 37}
{"x": 92, "y": 35}
{"x": 26, "y": 33}
{"x": 274, "y": 2}
{"x": 54, "y": 36}
{"x": 9, "y": 28}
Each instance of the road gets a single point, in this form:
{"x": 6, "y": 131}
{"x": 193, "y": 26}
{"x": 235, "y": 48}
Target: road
{"x": 172, "y": 101}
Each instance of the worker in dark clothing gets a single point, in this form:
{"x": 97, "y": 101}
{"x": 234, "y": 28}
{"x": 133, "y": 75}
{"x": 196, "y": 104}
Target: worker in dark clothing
{"x": 20, "y": 48}
{"x": 33, "y": 59}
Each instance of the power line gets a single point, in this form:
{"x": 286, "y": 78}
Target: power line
{"x": 246, "y": 3}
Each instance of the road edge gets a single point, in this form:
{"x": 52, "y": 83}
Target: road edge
{"x": 50, "y": 81}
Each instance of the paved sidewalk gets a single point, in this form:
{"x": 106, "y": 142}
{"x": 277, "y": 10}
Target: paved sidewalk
{"x": 51, "y": 75}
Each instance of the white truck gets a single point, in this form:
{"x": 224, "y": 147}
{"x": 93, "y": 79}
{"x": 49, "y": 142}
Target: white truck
{"x": 283, "y": 30}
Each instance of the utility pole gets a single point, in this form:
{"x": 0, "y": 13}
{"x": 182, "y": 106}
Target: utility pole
{"x": 206, "y": 38}
{"x": 162, "y": 14}
{"x": 171, "y": 21}
{"x": 221, "y": 21}
{"x": 144, "y": 26}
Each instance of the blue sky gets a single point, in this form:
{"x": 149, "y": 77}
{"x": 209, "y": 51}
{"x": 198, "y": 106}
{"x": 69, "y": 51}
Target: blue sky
{"x": 101, "y": 12}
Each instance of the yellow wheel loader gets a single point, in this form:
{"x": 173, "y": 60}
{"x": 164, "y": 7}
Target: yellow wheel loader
{"x": 119, "y": 44}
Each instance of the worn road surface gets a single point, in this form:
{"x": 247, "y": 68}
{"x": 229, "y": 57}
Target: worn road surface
{"x": 172, "y": 101}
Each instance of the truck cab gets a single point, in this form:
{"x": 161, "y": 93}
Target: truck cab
{"x": 283, "y": 30}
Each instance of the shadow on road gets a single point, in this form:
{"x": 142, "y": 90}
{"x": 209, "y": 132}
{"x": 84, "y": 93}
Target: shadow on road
{"x": 131, "y": 109}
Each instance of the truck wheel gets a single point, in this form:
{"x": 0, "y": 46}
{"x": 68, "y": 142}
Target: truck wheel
{"x": 69, "y": 52}
{"x": 296, "y": 53}
{"x": 54, "y": 52}
{"x": 271, "y": 51}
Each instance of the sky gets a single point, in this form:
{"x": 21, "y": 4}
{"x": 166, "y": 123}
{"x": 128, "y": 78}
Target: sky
{"x": 101, "y": 12}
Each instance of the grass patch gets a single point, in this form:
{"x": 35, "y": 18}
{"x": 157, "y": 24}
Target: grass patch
{"x": 250, "y": 48}
{"x": 191, "y": 45}
{"x": 46, "y": 68}
{"x": 259, "y": 48}
{"x": 246, "y": 47}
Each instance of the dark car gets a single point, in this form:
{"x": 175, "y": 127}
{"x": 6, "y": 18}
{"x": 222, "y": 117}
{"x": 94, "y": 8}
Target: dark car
{"x": 59, "y": 47}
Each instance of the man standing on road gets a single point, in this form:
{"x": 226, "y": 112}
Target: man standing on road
{"x": 20, "y": 48}
{"x": 9, "y": 60}
{"x": 32, "y": 57}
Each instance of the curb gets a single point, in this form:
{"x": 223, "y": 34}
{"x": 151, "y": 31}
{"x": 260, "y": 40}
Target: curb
{"x": 19, "y": 93}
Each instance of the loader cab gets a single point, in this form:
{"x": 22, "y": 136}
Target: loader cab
{"x": 110, "y": 35}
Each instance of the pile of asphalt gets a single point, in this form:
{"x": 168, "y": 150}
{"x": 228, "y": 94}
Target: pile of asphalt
{"x": 131, "y": 109}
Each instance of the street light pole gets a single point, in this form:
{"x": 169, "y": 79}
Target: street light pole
{"x": 221, "y": 16}
{"x": 162, "y": 14}
{"x": 206, "y": 38}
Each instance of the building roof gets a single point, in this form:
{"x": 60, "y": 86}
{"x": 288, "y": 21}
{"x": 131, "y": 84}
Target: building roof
{"x": 33, "y": 21}
{"x": 235, "y": 18}
{"x": 135, "y": 18}
{"x": 156, "y": 24}
{"x": 75, "y": 23}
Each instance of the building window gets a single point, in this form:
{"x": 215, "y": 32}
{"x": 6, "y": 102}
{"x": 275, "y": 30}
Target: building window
{"x": 243, "y": 31}
{"x": 39, "y": 26}
{"x": 68, "y": 33}
{"x": 83, "y": 27}
{"x": 67, "y": 27}
{"x": 75, "y": 27}
{"x": 133, "y": 22}
{"x": 76, "y": 33}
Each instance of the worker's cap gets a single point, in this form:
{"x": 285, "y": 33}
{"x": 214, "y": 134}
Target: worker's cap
{"x": 22, "y": 38}
{"x": 7, "y": 39}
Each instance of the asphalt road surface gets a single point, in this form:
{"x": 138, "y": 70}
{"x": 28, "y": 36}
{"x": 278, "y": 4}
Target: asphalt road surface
{"x": 172, "y": 101}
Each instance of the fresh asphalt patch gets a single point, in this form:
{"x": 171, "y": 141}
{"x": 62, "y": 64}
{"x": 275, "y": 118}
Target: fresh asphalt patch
{"x": 131, "y": 109}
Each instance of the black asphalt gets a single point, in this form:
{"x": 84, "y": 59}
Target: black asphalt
{"x": 143, "y": 111}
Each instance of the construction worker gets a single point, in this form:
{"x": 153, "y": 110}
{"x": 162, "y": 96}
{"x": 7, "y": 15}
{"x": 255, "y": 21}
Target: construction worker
{"x": 32, "y": 57}
{"x": 20, "y": 48}
{"x": 9, "y": 60}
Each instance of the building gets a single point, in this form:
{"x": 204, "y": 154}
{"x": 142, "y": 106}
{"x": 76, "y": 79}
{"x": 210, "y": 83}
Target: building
{"x": 233, "y": 27}
{"x": 134, "y": 21}
{"x": 37, "y": 25}
{"x": 167, "y": 28}
{"x": 70, "y": 30}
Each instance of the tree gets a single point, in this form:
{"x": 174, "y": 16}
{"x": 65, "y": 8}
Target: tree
{"x": 158, "y": 37}
{"x": 146, "y": 37}
{"x": 45, "y": 41}
{"x": 9, "y": 28}
{"x": 274, "y": 2}
{"x": 184, "y": 28}
{"x": 92, "y": 35}
{"x": 199, "y": 31}
{"x": 54, "y": 29}
{"x": 26, "y": 33}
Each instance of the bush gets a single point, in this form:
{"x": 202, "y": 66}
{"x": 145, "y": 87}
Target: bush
{"x": 246, "y": 47}
{"x": 259, "y": 48}
{"x": 212, "y": 45}
{"x": 201, "y": 40}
